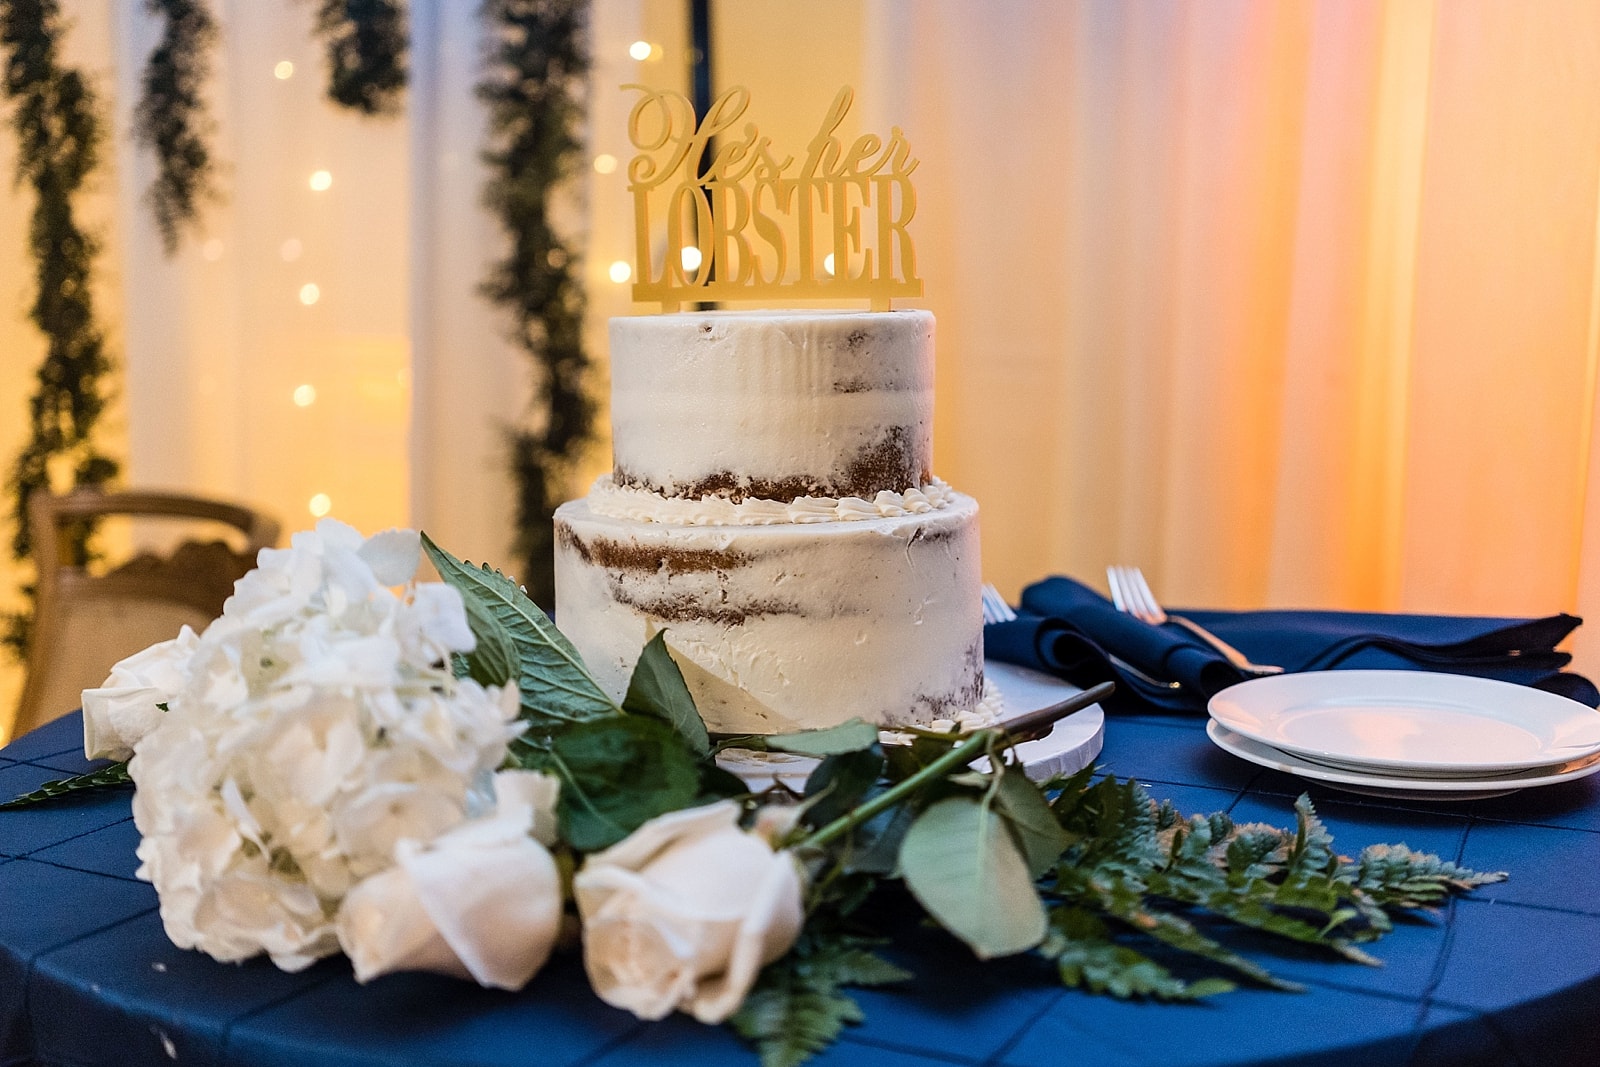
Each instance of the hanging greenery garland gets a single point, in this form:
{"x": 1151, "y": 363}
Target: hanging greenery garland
{"x": 171, "y": 117}
{"x": 366, "y": 42}
{"x": 534, "y": 91}
{"x": 58, "y": 133}
{"x": 533, "y": 88}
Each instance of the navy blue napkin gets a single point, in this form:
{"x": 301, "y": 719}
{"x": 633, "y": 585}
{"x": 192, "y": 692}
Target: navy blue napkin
{"x": 1070, "y": 630}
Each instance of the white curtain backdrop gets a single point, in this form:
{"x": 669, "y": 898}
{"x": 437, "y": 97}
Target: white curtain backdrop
{"x": 1293, "y": 302}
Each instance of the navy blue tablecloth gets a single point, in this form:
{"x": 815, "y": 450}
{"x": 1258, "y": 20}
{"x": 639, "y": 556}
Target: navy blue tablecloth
{"x": 1509, "y": 975}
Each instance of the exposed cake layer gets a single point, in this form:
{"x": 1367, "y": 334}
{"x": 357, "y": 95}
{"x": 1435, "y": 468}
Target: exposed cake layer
{"x": 783, "y": 627}
{"x": 774, "y": 405}
{"x": 617, "y": 502}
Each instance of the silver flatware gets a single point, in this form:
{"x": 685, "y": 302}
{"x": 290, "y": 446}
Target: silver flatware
{"x": 1131, "y": 594}
{"x": 995, "y": 609}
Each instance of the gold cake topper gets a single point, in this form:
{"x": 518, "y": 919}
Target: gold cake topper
{"x": 834, "y": 228}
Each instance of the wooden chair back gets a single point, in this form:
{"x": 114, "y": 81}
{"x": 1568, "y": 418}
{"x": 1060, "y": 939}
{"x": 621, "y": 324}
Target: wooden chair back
{"x": 84, "y": 623}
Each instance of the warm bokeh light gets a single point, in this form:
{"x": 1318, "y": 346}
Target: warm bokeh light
{"x": 691, "y": 258}
{"x": 320, "y": 505}
{"x": 321, "y": 180}
{"x": 284, "y": 70}
{"x": 305, "y": 395}
{"x": 620, "y": 271}
{"x": 827, "y": 264}
{"x": 640, "y": 50}
{"x": 290, "y": 250}
{"x": 605, "y": 163}
{"x": 310, "y": 294}
{"x": 212, "y": 250}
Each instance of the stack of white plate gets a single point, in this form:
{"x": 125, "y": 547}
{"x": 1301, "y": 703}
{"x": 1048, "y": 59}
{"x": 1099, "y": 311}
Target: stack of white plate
{"x": 1411, "y": 735}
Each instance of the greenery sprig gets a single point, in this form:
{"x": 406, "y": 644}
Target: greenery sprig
{"x": 366, "y": 48}
{"x": 115, "y": 775}
{"x": 56, "y": 119}
{"x": 534, "y": 88}
{"x": 171, "y": 116}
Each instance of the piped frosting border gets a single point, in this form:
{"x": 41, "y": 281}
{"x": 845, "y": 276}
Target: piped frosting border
{"x": 641, "y": 505}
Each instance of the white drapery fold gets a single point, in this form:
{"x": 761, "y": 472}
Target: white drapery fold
{"x": 1291, "y": 303}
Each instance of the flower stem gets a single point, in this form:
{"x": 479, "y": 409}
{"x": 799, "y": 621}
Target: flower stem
{"x": 960, "y": 756}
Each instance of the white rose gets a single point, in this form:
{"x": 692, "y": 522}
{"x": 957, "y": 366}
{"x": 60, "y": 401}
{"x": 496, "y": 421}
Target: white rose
{"x": 124, "y": 708}
{"x": 685, "y": 912}
{"x": 481, "y": 902}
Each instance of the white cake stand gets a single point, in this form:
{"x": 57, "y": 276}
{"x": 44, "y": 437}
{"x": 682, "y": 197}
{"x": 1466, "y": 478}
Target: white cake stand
{"x": 1071, "y": 746}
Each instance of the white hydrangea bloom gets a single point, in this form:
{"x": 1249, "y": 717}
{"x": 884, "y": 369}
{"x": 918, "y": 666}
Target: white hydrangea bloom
{"x": 317, "y": 734}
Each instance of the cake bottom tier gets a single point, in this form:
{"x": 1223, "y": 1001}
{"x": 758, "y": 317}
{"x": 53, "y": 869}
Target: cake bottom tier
{"x": 784, "y": 627}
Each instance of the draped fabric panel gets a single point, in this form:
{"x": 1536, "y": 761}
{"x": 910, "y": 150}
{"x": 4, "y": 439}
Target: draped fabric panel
{"x": 1290, "y": 303}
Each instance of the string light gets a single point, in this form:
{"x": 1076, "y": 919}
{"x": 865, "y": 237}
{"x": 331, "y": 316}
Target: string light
{"x": 290, "y": 250}
{"x": 320, "y": 505}
{"x": 305, "y": 395}
{"x": 640, "y": 50}
{"x": 605, "y": 163}
{"x": 284, "y": 70}
{"x": 310, "y": 294}
{"x": 321, "y": 180}
{"x": 691, "y": 259}
{"x": 620, "y": 271}
{"x": 827, "y": 264}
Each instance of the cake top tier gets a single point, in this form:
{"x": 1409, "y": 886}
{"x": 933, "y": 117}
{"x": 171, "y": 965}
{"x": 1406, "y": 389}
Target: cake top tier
{"x": 774, "y": 405}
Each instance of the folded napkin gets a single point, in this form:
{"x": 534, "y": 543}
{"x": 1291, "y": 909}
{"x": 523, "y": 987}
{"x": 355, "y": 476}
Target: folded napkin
{"x": 1070, "y": 630}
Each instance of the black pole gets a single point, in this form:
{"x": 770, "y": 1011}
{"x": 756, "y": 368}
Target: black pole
{"x": 700, "y": 55}
{"x": 700, "y": 83}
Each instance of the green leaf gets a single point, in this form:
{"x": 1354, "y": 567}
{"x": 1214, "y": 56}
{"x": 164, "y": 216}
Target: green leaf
{"x": 718, "y": 784}
{"x": 851, "y": 736}
{"x": 796, "y": 1008}
{"x": 857, "y": 966}
{"x": 963, "y": 866}
{"x": 840, "y": 783}
{"x": 616, "y": 775}
{"x": 790, "y": 1025}
{"x": 657, "y": 689}
{"x": 494, "y": 660}
{"x": 1026, "y": 811}
{"x": 875, "y": 844}
{"x": 1395, "y": 876}
{"x": 105, "y": 778}
{"x": 1087, "y": 958}
{"x": 557, "y": 689}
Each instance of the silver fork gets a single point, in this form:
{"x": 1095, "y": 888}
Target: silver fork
{"x": 995, "y": 609}
{"x": 1131, "y": 594}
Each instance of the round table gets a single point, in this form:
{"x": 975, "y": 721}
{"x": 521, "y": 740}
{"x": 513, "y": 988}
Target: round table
{"x": 1508, "y": 975}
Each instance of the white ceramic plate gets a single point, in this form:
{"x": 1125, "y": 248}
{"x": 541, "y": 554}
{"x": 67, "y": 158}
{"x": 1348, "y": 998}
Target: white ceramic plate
{"x": 1410, "y": 723}
{"x": 1071, "y": 746}
{"x": 1378, "y": 785}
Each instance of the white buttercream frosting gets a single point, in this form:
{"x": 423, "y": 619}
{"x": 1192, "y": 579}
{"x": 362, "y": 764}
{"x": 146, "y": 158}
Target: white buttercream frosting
{"x": 641, "y": 505}
{"x": 963, "y": 721}
{"x": 834, "y": 402}
{"x": 787, "y": 626}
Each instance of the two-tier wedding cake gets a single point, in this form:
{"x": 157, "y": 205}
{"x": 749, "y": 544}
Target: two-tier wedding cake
{"x": 772, "y": 507}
